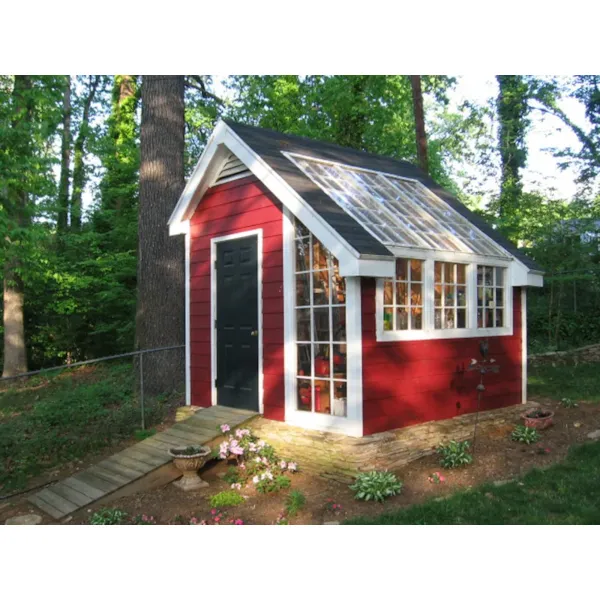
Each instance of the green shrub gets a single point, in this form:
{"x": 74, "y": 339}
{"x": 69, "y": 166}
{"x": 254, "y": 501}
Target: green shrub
{"x": 108, "y": 516}
{"x": 454, "y": 454}
{"x": 142, "y": 434}
{"x": 525, "y": 435}
{"x": 267, "y": 485}
{"x": 232, "y": 476}
{"x": 295, "y": 502}
{"x": 568, "y": 403}
{"x": 226, "y": 498}
{"x": 376, "y": 485}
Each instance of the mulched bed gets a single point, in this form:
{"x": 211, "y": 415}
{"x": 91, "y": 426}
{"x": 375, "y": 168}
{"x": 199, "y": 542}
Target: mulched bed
{"x": 497, "y": 459}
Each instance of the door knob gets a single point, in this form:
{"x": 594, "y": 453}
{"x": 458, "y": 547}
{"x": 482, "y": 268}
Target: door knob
{"x": 254, "y": 333}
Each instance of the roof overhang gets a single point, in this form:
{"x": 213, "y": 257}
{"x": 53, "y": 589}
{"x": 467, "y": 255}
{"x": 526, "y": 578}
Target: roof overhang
{"x": 224, "y": 140}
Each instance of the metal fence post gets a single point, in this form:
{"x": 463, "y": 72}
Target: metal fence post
{"x": 142, "y": 389}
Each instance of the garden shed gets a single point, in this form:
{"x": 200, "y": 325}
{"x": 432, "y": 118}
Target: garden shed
{"x": 342, "y": 291}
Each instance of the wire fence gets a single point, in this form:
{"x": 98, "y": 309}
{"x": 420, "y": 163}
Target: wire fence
{"x": 82, "y": 363}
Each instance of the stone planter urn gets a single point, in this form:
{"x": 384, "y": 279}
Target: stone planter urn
{"x": 538, "y": 418}
{"x": 189, "y": 459}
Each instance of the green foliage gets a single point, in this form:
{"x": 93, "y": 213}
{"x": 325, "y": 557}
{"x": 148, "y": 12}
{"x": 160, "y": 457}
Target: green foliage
{"x": 226, "y": 498}
{"x": 568, "y": 403}
{"x": 525, "y": 435}
{"x": 294, "y": 502}
{"x": 564, "y": 494}
{"x": 376, "y": 485}
{"x": 276, "y": 484}
{"x": 454, "y": 454}
{"x": 143, "y": 520}
{"x": 232, "y": 476}
{"x": 142, "y": 434}
{"x": 578, "y": 381}
{"x": 108, "y": 516}
{"x": 53, "y": 420}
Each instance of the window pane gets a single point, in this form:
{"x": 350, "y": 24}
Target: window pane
{"x": 449, "y": 272}
{"x": 479, "y": 317}
{"x": 303, "y": 289}
{"x": 438, "y": 295}
{"x": 416, "y": 318}
{"x": 319, "y": 255}
{"x": 449, "y": 295}
{"x": 300, "y": 230}
{"x": 304, "y": 359}
{"x": 438, "y": 318}
{"x": 321, "y": 287}
{"x": 449, "y": 318}
{"x": 321, "y": 324}
{"x": 402, "y": 319}
{"x": 461, "y": 273}
{"x": 339, "y": 361}
{"x": 304, "y": 394}
{"x": 388, "y": 291}
{"x": 322, "y": 362}
{"x": 401, "y": 269}
{"x": 438, "y": 272}
{"x": 461, "y": 295}
{"x": 303, "y": 324}
{"x": 302, "y": 255}
{"x": 339, "y": 288}
{"x": 416, "y": 297}
{"x": 339, "y": 408}
{"x": 499, "y": 276}
{"x": 416, "y": 270}
{"x": 479, "y": 296}
{"x": 322, "y": 396}
{"x": 499, "y": 297}
{"x": 489, "y": 297}
{"x": 461, "y": 318}
{"x": 480, "y": 275}
{"x": 489, "y": 317}
{"x": 401, "y": 294}
{"x": 388, "y": 316}
{"x": 499, "y": 318}
{"x": 488, "y": 276}
{"x": 338, "y": 318}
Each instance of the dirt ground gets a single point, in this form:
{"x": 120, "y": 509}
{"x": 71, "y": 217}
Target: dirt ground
{"x": 496, "y": 458}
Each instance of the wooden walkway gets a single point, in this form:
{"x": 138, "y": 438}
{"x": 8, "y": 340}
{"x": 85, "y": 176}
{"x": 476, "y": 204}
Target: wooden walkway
{"x": 138, "y": 460}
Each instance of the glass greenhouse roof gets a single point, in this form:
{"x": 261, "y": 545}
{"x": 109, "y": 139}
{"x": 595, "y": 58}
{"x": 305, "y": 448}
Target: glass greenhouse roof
{"x": 395, "y": 210}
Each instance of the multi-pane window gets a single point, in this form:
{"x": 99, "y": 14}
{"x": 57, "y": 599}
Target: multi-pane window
{"x": 403, "y": 297}
{"x": 320, "y": 327}
{"x": 450, "y": 295}
{"x": 490, "y": 296}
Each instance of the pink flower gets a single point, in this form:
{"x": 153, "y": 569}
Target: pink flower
{"x": 262, "y": 443}
{"x": 213, "y": 511}
{"x": 225, "y": 428}
{"x": 283, "y": 464}
{"x": 442, "y": 478}
{"x": 292, "y": 466}
{"x": 217, "y": 519}
{"x": 242, "y": 465}
{"x": 238, "y": 522}
{"x": 547, "y": 450}
{"x": 237, "y": 450}
{"x": 236, "y": 486}
{"x": 193, "y": 521}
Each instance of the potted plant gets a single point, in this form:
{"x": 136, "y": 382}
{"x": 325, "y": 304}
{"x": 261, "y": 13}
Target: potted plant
{"x": 538, "y": 418}
{"x": 188, "y": 460}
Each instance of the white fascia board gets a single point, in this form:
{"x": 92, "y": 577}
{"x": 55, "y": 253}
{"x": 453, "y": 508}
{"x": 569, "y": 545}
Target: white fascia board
{"x": 365, "y": 267}
{"x": 521, "y": 276}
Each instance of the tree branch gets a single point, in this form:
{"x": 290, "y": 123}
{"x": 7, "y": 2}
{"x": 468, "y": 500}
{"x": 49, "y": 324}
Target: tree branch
{"x": 196, "y": 82}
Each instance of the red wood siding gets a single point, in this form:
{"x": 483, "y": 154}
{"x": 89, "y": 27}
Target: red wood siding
{"x": 233, "y": 207}
{"x": 405, "y": 383}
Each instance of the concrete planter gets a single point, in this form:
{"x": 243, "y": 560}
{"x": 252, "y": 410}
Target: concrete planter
{"x": 189, "y": 465}
{"x": 530, "y": 418}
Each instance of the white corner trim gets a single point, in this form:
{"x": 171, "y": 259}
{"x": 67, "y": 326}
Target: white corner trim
{"x": 524, "y": 345}
{"x": 188, "y": 353}
{"x": 289, "y": 324}
{"x": 213, "y": 310}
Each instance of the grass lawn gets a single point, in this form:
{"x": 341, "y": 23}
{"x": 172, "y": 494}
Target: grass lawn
{"x": 51, "y": 420}
{"x": 564, "y": 494}
{"x": 579, "y": 382}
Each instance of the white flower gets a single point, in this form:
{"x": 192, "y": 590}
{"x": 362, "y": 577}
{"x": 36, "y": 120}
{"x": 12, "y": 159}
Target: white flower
{"x": 292, "y": 466}
{"x": 269, "y": 475}
{"x": 282, "y": 465}
{"x": 258, "y": 459}
{"x": 255, "y": 479}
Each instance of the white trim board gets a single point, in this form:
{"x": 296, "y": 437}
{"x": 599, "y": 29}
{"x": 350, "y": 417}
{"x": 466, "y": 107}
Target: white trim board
{"x": 213, "y": 310}
{"x": 188, "y": 352}
{"x": 524, "y": 345}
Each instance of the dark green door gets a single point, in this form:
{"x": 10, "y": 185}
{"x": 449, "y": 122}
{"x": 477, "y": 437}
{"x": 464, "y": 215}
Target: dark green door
{"x": 237, "y": 323}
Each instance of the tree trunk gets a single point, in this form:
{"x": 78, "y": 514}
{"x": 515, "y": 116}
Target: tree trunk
{"x": 417, "y": 93}
{"x": 65, "y": 161}
{"x": 79, "y": 153}
{"x": 160, "y": 318}
{"x": 15, "y": 354}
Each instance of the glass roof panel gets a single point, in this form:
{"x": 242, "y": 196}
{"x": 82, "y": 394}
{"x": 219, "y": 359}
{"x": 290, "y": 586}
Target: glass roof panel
{"x": 395, "y": 210}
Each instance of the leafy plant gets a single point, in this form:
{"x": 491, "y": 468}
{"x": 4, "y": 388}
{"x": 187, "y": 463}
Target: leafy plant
{"x": 454, "y": 454}
{"x": 142, "y": 434}
{"x": 568, "y": 403}
{"x": 274, "y": 484}
{"x": 295, "y": 502}
{"x": 226, "y": 498}
{"x": 190, "y": 450}
{"x": 525, "y": 435}
{"x": 143, "y": 520}
{"x": 232, "y": 476}
{"x": 376, "y": 485}
{"x": 108, "y": 516}
{"x": 332, "y": 506}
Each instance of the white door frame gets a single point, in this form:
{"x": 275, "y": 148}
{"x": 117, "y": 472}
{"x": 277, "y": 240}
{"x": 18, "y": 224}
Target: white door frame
{"x": 213, "y": 309}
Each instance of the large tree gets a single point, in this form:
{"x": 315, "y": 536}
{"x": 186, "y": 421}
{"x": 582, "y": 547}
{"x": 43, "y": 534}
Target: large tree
{"x": 420, "y": 135}
{"x": 160, "y": 319}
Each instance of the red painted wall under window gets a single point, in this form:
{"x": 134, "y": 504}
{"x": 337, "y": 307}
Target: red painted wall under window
{"x": 240, "y": 205}
{"x": 405, "y": 383}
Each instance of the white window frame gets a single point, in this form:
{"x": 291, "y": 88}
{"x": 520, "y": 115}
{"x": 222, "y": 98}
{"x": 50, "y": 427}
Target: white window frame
{"x": 429, "y": 332}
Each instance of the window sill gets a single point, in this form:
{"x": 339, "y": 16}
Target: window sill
{"x": 441, "y": 334}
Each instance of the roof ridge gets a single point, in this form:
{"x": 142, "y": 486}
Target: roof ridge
{"x": 333, "y": 145}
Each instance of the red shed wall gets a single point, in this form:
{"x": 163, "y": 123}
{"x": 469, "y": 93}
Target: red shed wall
{"x": 240, "y": 205}
{"x": 405, "y": 383}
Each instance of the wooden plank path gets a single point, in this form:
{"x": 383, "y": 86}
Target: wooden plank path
{"x": 138, "y": 460}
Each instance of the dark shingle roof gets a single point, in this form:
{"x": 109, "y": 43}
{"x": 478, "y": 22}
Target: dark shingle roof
{"x": 269, "y": 145}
